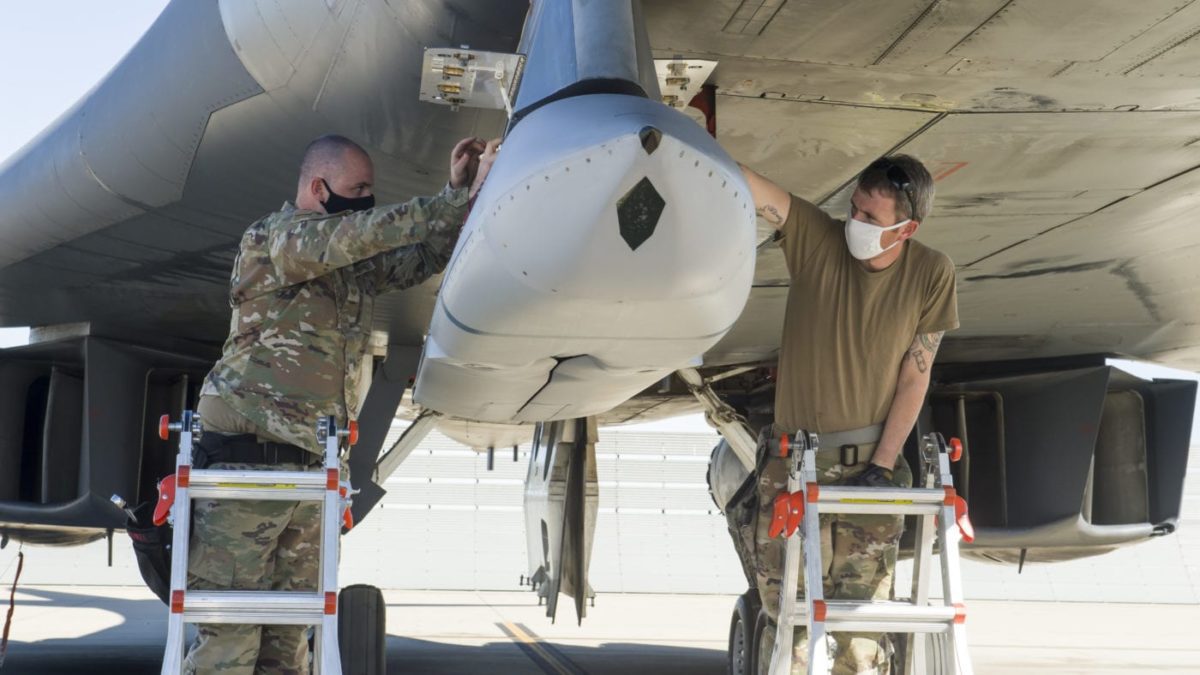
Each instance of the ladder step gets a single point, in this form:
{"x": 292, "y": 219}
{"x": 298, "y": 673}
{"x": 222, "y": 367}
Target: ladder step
{"x": 255, "y": 607}
{"x": 897, "y": 617}
{"x": 898, "y": 501}
{"x": 259, "y": 485}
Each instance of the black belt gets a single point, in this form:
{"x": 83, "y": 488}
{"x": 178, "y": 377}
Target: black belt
{"x": 848, "y": 444}
{"x": 246, "y": 449}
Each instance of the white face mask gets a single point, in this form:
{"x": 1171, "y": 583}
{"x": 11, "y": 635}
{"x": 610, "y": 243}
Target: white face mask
{"x": 864, "y": 239}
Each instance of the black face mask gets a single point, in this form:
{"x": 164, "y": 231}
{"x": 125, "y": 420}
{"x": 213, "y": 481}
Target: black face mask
{"x": 337, "y": 203}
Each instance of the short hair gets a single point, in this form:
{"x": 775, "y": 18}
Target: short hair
{"x": 326, "y": 153}
{"x": 920, "y": 185}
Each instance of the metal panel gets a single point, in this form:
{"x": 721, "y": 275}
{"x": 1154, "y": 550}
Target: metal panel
{"x": 1063, "y": 30}
{"x": 966, "y": 238}
{"x": 1067, "y": 287}
{"x": 1034, "y": 164}
{"x": 1119, "y": 486}
{"x": 1172, "y": 406}
{"x": 808, "y": 148}
{"x": 802, "y": 30}
{"x": 756, "y": 334}
{"x": 61, "y": 438}
{"x": 114, "y": 398}
{"x": 1046, "y": 461}
{"x": 15, "y": 381}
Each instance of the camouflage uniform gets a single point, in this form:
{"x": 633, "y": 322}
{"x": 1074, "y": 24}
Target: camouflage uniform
{"x": 302, "y": 291}
{"x": 859, "y": 552}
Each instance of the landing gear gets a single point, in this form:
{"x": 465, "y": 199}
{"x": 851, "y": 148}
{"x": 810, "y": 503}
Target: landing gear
{"x": 741, "y": 634}
{"x": 763, "y": 643}
{"x": 362, "y": 635}
{"x": 936, "y": 646}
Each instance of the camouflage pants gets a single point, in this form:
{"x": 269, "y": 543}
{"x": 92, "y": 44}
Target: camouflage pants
{"x": 858, "y": 551}
{"x": 252, "y": 545}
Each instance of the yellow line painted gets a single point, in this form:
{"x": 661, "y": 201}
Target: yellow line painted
{"x": 535, "y": 644}
{"x": 270, "y": 486}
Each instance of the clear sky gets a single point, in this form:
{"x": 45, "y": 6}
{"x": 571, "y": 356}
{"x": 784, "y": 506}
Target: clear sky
{"x": 55, "y": 51}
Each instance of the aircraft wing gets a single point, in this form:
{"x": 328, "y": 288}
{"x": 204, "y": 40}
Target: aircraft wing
{"x": 126, "y": 212}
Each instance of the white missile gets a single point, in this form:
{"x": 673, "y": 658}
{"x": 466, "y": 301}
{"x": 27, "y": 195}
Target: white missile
{"x": 613, "y": 243}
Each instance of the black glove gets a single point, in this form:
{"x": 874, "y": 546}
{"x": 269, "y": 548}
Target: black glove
{"x": 873, "y": 476}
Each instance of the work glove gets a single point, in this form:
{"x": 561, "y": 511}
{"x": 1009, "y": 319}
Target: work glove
{"x": 873, "y": 476}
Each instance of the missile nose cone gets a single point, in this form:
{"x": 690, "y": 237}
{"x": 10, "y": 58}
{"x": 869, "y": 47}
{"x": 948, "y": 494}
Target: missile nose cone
{"x": 651, "y": 137}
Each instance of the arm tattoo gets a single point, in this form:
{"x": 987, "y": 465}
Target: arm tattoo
{"x": 770, "y": 214}
{"x": 918, "y": 354}
{"x": 924, "y": 348}
{"x": 931, "y": 341}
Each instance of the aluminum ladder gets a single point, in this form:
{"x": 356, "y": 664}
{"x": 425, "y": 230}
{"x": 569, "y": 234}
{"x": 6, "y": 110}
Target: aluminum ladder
{"x": 317, "y": 609}
{"x": 940, "y": 512}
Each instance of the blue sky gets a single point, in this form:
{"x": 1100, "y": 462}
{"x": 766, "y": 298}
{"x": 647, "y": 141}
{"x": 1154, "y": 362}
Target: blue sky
{"x": 57, "y": 50}
{"x": 54, "y": 51}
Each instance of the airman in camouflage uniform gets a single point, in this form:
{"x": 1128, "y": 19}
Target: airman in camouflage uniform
{"x": 302, "y": 294}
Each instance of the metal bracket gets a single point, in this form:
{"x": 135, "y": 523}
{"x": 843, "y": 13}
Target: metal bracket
{"x": 721, "y": 416}
{"x": 471, "y": 78}
{"x": 403, "y": 447}
{"x": 680, "y": 79}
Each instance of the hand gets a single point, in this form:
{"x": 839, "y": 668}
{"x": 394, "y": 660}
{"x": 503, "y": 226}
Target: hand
{"x": 486, "y": 159}
{"x": 873, "y": 476}
{"x": 464, "y": 161}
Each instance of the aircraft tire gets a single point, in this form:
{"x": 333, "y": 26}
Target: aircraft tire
{"x": 362, "y": 634}
{"x": 937, "y": 647}
{"x": 764, "y": 639}
{"x": 937, "y": 661}
{"x": 741, "y": 634}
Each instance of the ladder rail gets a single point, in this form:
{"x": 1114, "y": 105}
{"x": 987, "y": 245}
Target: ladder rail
{"x": 952, "y": 590}
{"x": 326, "y": 654}
{"x": 317, "y": 608}
{"x": 181, "y": 522}
{"x": 784, "y": 630}
{"x": 916, "y": 658}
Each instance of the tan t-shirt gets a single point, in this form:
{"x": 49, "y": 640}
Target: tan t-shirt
{"x": 846, "y": 328}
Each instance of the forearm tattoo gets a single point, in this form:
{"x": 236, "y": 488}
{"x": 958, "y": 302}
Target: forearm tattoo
{"x": 770, "y": 214}
{"x": 923, "y": 349}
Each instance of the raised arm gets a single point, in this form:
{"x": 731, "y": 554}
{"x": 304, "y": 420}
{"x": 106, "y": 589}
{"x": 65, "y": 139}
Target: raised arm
{"x": 771, "y": 202}
{"x": 306, "y": 249}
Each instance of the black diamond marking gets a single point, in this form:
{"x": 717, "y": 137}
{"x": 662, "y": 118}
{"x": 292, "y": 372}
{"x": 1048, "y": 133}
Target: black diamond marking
{"x": 638, "y": 213}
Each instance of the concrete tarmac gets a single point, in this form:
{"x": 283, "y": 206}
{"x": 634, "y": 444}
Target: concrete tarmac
{"x": 120, "y": 630}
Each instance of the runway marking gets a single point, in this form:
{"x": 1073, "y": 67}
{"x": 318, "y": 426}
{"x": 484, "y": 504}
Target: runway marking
{"x": 544, "y": 654}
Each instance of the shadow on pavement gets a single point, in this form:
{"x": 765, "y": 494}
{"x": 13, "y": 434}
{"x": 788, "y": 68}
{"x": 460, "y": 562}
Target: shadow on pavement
{"x": 133, "y": 646}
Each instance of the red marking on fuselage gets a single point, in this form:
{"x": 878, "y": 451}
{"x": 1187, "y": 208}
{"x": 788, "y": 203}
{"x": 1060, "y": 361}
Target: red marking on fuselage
{"x": 947, "y": 172}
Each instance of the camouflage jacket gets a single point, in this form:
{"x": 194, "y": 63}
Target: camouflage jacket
{"x": 303, "y": 292}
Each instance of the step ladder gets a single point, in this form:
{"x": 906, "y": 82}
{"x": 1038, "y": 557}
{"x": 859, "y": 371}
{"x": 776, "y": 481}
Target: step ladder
{"x": 317, "y": 609}
{"x": 941, "y": 513}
